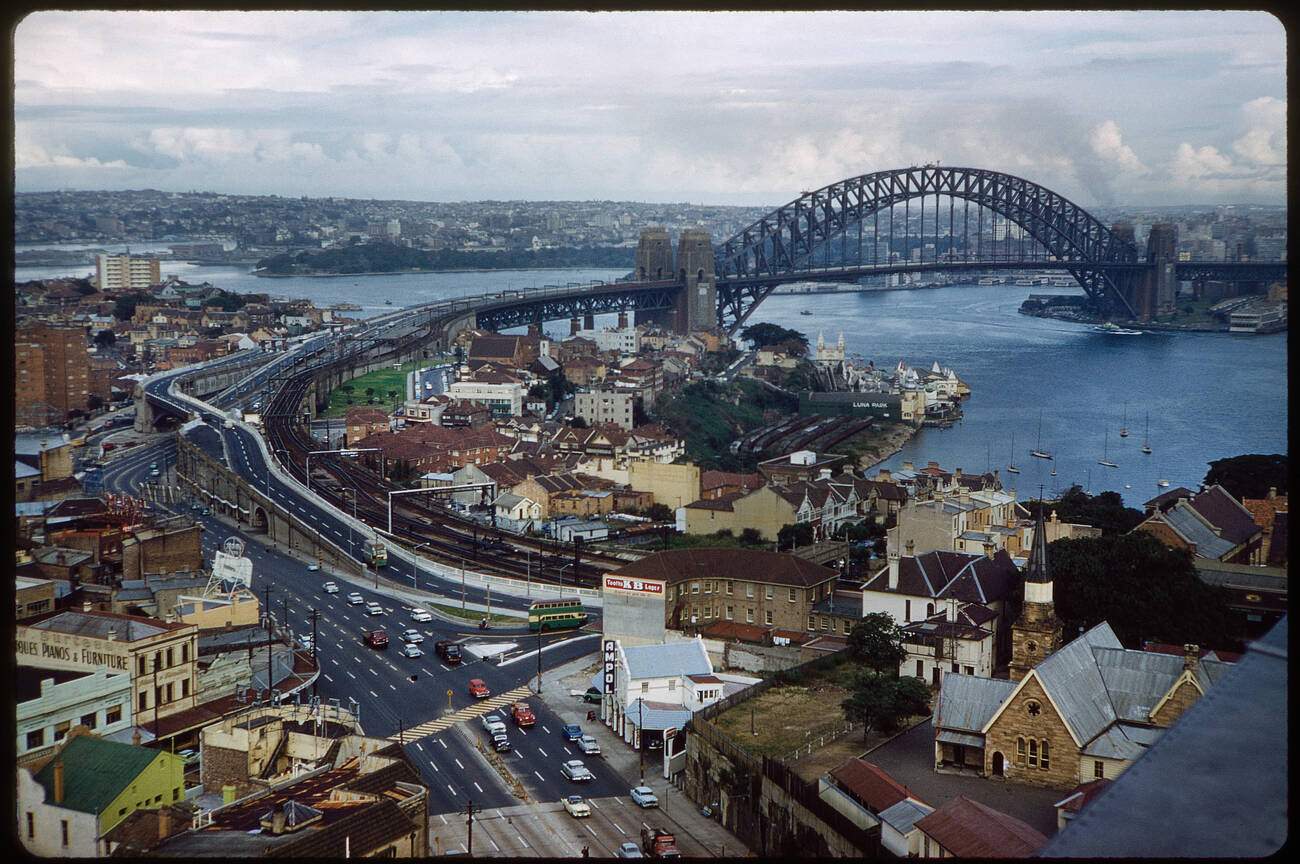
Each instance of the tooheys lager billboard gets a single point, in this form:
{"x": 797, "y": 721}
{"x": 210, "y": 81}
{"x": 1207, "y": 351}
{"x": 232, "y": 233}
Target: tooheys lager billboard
{"x": 632, "y": 609}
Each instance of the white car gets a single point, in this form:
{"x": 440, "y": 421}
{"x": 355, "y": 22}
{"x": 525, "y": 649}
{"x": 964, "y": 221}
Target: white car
{"x": 421, "y": 615}
{"x": 412, "y": 635}
{"x": 576, "y": 806}
{"x": 374, "y": 609}
{"x": 575, "y": 770}
{"x": 313, "y": 567}
{"x": 330, "y": 588}
{"x": 356, "y": 600}
{"x": 409, "y": 650}
{"x": 589, "y": 745}
{"x": 644, "y": 796}
{"x": 493, "y": 724}
{"x": 629, "y": 850}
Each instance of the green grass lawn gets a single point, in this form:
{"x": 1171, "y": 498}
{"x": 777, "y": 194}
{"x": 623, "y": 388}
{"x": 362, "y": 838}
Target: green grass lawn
{"x": 474, "y": 615}
{"x": 382, "y": 380}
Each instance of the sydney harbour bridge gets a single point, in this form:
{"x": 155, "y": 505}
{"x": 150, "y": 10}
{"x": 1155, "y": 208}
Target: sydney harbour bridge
{"x": 969, "y": 219}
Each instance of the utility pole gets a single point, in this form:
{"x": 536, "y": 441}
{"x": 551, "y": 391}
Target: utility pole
{"x": 489, "y": 604}
{"x": 640, "y": 737}
{"x": 462, "y": 584}
{"x": 266, "y": 592}
{"x": 539, "y": 659}
{"x": 469, "y": 822}
{"x": 315, "y": 614}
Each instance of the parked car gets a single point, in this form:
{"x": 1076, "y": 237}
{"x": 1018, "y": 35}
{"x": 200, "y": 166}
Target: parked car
{"x": 644, "y": 796}
{"x": 629, "y": 850}
{"x": 571, "y": 732}
{"x": 412, "y": 635}
{"x": 421, "y": 615}
{"x": 409, "y": 650}
{"x": 330, "y": 588}
{"x": 377, "y": 639}
{"x": 478, "y": 689}
{"x": 575, "y": 770}
{"x": 355, "y": 599}
{"x": 589, "y": 745}
{"x": 593, "y": 695}
{"x": 577, "y": 807}
{"x": 191, "y": 757}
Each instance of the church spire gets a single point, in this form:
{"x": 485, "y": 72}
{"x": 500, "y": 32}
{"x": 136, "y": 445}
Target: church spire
{"x": 1037, "y": 570}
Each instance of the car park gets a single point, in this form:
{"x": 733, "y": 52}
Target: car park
{"x": 571, "y": 732}
{"x": 629, "y": 850}
{"x": 330, "y": 588}
{"x": 478, "y": 689}
{"x": 412, "y": 635}
{"x": 576, "y": 806}
{"x": 409, "y": 650}
{"x": 644, "y": 796}
{"x": 575, "y": 770}
{"x": 355, "y": 599}
{"x": 589, "y": 745}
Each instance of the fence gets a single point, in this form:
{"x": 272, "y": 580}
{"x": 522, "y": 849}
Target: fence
{"x": 822, "y": 741}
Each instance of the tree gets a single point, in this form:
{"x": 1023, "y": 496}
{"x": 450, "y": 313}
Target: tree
{"x": 105, "y": 338}
{"x": 124, "y": 308}
{"x": 877, "y": 642}
{"x": 1105, "y": 510}
{"x": 1142, "y": 588}
{"x": 659, "y": 513}
{"x": 767, "y": 335}
{"x": 370, "y": 394}
{"x": 791, "y": 536}
{"x": 1249, "y": 476}
{"x": 751, "y": 537}
{"x": 882, "y": 701}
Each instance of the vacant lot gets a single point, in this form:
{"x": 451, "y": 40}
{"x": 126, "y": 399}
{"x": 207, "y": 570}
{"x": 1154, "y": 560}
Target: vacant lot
{"x": 382, "y": 383}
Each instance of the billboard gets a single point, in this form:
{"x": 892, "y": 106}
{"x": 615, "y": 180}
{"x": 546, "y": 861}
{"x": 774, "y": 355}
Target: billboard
{"x": 632, "y": 610}
{"x": 610, "y": 654}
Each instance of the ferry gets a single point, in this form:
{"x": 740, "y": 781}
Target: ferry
{"x": 991, "y": 280}
{"x": 1115, "y": 330}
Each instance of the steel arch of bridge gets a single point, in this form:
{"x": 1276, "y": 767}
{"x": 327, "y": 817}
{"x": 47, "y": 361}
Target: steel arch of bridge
{"x": 782, "y": 242}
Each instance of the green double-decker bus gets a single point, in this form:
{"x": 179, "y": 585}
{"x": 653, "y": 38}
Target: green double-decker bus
{"x": 556, "y": 615}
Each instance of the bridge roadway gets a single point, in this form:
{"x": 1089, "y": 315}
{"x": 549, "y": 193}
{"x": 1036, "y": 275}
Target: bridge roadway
{"x": 453, "y": 769}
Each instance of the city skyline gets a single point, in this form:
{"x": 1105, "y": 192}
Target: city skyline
{"x": 1157, "y": 108}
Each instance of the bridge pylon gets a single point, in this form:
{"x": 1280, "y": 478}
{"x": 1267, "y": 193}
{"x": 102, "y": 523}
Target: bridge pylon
{"x": 698, "y": 306}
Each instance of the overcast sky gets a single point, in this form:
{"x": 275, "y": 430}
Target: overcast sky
{"x": 735, "y": 108}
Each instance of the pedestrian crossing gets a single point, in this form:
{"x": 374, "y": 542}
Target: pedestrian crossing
{"x": 478, "y": 709}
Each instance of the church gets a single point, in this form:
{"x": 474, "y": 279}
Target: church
{"x": 1069, "y": 713}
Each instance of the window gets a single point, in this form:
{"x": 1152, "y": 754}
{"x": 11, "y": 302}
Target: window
{"x": 767, "y": 592}
{"x": 920, "y": 669}
{"x": 1033, "y": 753}
{"x": 35, "y": 738}
{"x": 185, "y": 687}
{"x": 170, "y": 697}
{"x": 767, "y": 617}
{"x": 113, "y": 715}
{"x": 826, "y": 623}
{"x": 672, "y": 684}
{"x": 121, "y": 811}
{"x": 157, "y": 799}
{"x": 970, "y": 670}
{"x": 929, "y": 609}
{"x": 730, "y": 610}
{"x": 792, "y": 593}
{"x": 1043, "y": 756}
{"x": 848, "y": 627}
{"x": 907, "y": 610}
{"x": 728, "y": 586}
{"x": 749, "y": 592}
{"x": 144, "y": 700}
{"x": 1099, "y": 769}
{"x": 708, "y": 587}
{"x": 176, "y": 794}
{"x": 1032, "y": 708}
{"x": 749, "y": 615}
{"x": 171, "y": 657}
{"x": 140, "y": 665}
{"x": 695, "y": 587}
{"x": 61, "y": 730}
{"x": 1020, "y": 751}
{"x": 645, "y": 686}
{"x": 956, "y": 669}
{"x": 88, "y": 720}
{"x": 63, "y": 825}
{"x": 812, "y": 622}
{"x": 185, "y": 653}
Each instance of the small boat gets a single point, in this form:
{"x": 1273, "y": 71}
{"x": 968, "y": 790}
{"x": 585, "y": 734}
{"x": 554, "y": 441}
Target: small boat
{"x": 1162, "y": 483}
{"x": 1114, "y": 329}
{"x": 805, "y": 312}
{"x": 1146, "y": 436}
{"x": 1053, "y": 467}
{"x": 1038, "y": 451}
{"x": 388, "y": 302}
{"x": 1105, "y": 454}
{"x": 1123, "y": 429}
{"x": 1011, "y": 468}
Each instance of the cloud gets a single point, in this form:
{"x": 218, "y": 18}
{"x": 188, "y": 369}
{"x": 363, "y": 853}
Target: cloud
{"x": 1108, "y": 143}
{"x": 1265, "y": 141}
{"x": 29, "y": 155}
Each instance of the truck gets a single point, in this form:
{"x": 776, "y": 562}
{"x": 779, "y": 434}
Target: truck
{"x": 377, "y": 639}
{"x": 658, "y": 843}
{"x": 448, "y": 651}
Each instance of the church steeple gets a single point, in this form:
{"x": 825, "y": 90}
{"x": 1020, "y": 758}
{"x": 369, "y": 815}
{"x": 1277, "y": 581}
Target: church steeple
{"x": 1037, "y": 633}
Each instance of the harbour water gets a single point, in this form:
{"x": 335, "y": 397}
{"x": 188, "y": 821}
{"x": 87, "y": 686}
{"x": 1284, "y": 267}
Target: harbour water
{"x": 1209, "y": 395}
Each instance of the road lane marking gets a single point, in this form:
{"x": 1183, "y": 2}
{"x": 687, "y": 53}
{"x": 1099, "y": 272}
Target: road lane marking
{"x": 353, "y": 677}
{"x": 543, "y": 752}
{"x": 373, "y": 693}
{"x": 443, "y": 743}
{"x": 588, "y": 827}
{"x": 478, "y": 787}
{"x": 328, "y": 678}
{"x": 435, "y": 766}
{"x": 458, "y": 765}
{"x": 453, "y": 791}
{"x": 373, "y": 672}
{"x": 540, "y": 777}
{"x": 418, "y": 747}
{"x": 548, "y": 731}
{"x": 332, "y": 660}
{"x": 522, "y": 840}
{"x": 391, "y": 687}
{"x": 620, "y": 829}
{"x": 443, "y": 818}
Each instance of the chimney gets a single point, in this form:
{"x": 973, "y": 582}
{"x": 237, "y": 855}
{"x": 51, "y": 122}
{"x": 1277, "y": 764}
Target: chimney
{"x": 86, "y": 606}
{"x": 910, "y": 546}
{"x": 956, "y": 475}
{"x": 135, "y": 737}
{"x": 112, "y": 634}
{"x": 907, "y": 466}
{"x": 1191, "y": 657}
{"x": 164, "y": 823}
{"x": 893, "y": 569}
{"x": 883, "y": 474}
{"x": 989, "y": 550}
{"x": 60, "y": 558}
{"x": 824, "y": 474}
{"x": 1272, "y": 492}
{"x": 58, "y": 781}
{"x": 277, "y": 821}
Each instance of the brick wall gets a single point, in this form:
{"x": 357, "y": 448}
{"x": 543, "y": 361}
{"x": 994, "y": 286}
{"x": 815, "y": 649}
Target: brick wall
{"x": 173, "y": 552}
{"x": 1014, "y": 722}
{"x": 1185, "y": 695}
{"x": 221, "y": 766}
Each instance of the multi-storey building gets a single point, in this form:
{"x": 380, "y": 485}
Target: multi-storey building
{"x": 52, "y": 374}
{"x": 126, "y": 272}
{"x": 598, "y": 407}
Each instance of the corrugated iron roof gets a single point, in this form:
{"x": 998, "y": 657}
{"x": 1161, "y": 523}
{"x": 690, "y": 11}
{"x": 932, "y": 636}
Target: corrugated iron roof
{"x": 1074, "y": 683}
{"x": 1136, "y": 680}
{"x": 673, "y": 658}
{"x": 1193, "y": 530}
{"x": 648, "y": 717}
{"x": 967, "y": 702}
{"x": 902, "y": 817}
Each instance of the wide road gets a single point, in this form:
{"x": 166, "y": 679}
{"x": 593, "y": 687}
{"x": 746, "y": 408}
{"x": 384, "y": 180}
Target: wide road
{"x": 380, "y": 682}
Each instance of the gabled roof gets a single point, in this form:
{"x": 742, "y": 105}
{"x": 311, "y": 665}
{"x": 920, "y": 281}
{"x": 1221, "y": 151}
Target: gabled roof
{"x": 1165, "y": 499}
{"x": 679, "y": 565}
{"x": 903, "y": 816}
{"x": 95, "y": 772}
{"x": 969, "y": 829}
{"x": 1136, "y": 680}
{"x": 966, "y": 576}
{"x": 1220, "y": 509}
{"x": 666, "y": 660}
{"x": 968, "y": 701}
{"x": 870, "y": 784}
{"x": 1185, "y": 522}
{"x": 1073, "y": 682}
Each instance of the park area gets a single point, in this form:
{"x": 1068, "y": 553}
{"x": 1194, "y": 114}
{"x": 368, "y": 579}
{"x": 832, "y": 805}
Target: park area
{"x": 382, "y": 388}
{"x": 801, "y": 722}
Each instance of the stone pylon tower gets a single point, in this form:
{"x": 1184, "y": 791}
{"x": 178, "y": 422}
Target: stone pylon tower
{"x": 1038, "y": 631}
{"x": 654, "y": 262}
{"x": 699, "y": 307}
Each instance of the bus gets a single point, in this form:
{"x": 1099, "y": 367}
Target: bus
{"x": 556, "y": 614}
{"x": 376, "y": 554}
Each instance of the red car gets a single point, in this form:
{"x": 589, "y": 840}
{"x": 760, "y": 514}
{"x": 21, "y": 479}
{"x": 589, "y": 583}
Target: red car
{"x": 523, "y": 714}
{"x": 478, "y": 689}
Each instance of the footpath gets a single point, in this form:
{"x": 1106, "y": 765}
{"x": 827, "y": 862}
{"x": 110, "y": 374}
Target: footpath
{"x": 558, "y": 686}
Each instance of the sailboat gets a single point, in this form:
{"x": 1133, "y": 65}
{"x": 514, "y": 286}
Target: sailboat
{"x": 1162, "y": 483}
{"x": 1105, "y": 452}
{"x": 1123, "y": 429}
{"x": 1011, "y": 468}
{"x": 1038, "y": 451}
{"x": 1146, "y": 436}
